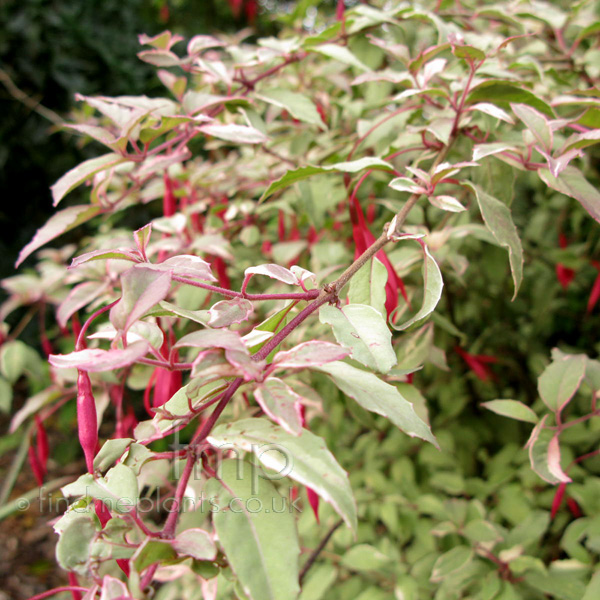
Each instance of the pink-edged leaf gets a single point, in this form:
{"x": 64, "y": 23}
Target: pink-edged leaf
{"x": 559, "y": 163}
{"x": 449, "y": 169}
{"x": 82, "y": 173}
{"x": 100, "y": 360}
{"x": 227, "y": 312}
{"x": 201, "y": 42}
{"x": 560, "y": 380}
{"x": 310, "y": 354}
{"x": 554, "y": 460}
{"x": 571, "y": 182}
{"x": 210, "y": 338}
{"x": 162, "y": 41}
{"x": 582, "y": 140}
{"x": 240, "y": 134}
{"x": 81, "y": 295}
{"x": 404, "y": 184}
{"x": 536, "y": 123}
{"x": 159, "y": 58}
{"x": 448, "y": 203}
{"x": 492, "y": 110}
{"x": 142, "y": 289}
{"x": 119, "y": 254}
{"x": 482, "y": 150}
{"x": 58, "y": 224}
{"x": 186, "y": 265}
{"x": 281, "y": 404}
{"x": 275, "y": 272}
{"x": 142, "y": 237}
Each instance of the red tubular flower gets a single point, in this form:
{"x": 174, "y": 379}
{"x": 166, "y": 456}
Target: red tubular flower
{"x": 574, "y": 508}
{"x": 251, "y": 10}
{"x": 169, "y": 206}
{"x": 102, "y": 512}
{"x": 339, "y": 11}
{"x": 43, "y": 449}
{"x": 221, "y": 270}
{"x": 73, "y": 581}
{"x": 558, "y": 498}
{"x": 478, "y": 363}
{"x": 313, "y": 500}
{"x": 595, "y": 293}
{"x": 87, "y": 419}
{"x": 124, "y": 565}
{"x": 34, "y": 463}
{"x": 363, "y": 238}
{"x": 564, "y": 274}
{"x": 281, "y": 226}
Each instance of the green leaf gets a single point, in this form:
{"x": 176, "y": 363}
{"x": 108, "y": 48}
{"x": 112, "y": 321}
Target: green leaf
{"x": 6, "y": 396}
{"x": 261, "y": 543}
{"x": 341, "y": 54}
{"x": 379, "y": 397}
{"x": 560, "y": 380}
{"x": 111, "y": 451}
{"x": 571, "y": 182}
{"x": 558, "y": 585}
{"x": 240, "y": 134}
{"x": 469, "y": 53}
{"x": 433, "y": 285}
{"x": 364, "y": 331}
{"x": 75, "y": 544}
{"x": 57, "y": 224}
{"x": 512, "y": 409}
{"x": 152, "y": 551}
{"x": 364, "y": 557}
{"x": 82, "y": 173}
{"x": 368, "y": 285}
{"x": 451, "y": 562}
{"x": 14, "y": 356}
{"x": 196, "y": 543}
{"x": 301, "y": 173}
{"x": 498, "y": 220}
{"x": 503, "y": 93}
{"x": 537, "y": 123}
{"x": 320, "y": 578}
{"x": 303, "y": 458}
{"x": 298, "y": 105}
{"x": 592, "y": 591}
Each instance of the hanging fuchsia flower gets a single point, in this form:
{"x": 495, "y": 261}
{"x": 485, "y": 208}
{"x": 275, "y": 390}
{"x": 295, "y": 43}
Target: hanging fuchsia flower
{"x": 87, "y": 419}
{"x": 363, "y": 238}
{"x": 339, "y": 11}
{"x": 478, "y": 363}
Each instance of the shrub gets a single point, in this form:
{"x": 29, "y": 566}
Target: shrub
{"x": 332, "y": 269}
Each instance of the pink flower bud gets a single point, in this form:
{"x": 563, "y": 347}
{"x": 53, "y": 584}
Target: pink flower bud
{"x": 87, "y": 419}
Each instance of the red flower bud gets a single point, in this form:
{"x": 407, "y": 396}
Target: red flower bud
{"x": 87, "y": 419}
{"x": 43, "y": 450}
{"x": 339, "y": 11}
{"x": 34, "y": 463}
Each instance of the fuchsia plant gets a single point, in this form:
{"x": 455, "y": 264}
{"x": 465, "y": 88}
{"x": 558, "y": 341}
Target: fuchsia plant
{"x": 362, "y": 159}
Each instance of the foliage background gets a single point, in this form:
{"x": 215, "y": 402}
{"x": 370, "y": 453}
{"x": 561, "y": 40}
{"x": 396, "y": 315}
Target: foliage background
{"x": 481, "y": 448}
